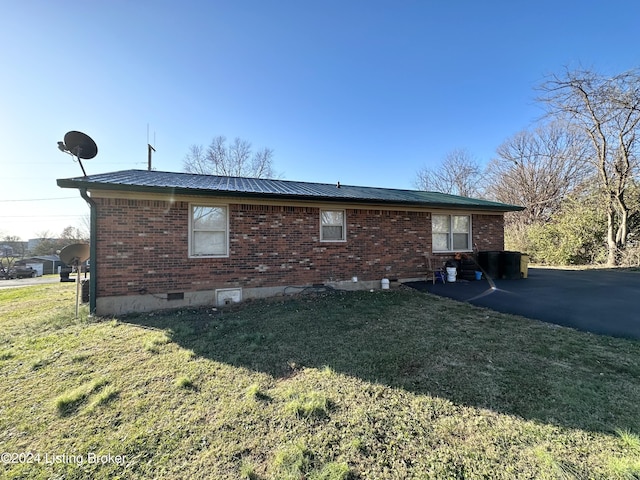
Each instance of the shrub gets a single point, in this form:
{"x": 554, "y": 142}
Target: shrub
{"x": 574, "y": 236}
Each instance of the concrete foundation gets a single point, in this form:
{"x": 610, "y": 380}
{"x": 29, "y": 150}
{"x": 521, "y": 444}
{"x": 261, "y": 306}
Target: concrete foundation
{"x": 122, "y": 305}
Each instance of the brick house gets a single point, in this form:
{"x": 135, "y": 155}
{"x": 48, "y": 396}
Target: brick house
{"x": 163, "y": 240}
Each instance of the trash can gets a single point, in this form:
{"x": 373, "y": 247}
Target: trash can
{"x": 85, "y": 290}
{"x": 490, "y": 261}
{"x": 511, "y": 265}
{"x": 524, "y": 266}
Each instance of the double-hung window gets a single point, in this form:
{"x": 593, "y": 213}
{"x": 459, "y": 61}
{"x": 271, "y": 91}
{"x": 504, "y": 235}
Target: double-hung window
{"x": 451, "y": 233}
{"x": 208, "y": 231}
{"x": 332, "y": 226}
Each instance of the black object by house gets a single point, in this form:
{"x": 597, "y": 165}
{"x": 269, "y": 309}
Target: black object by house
{"x": 501, "y": 264}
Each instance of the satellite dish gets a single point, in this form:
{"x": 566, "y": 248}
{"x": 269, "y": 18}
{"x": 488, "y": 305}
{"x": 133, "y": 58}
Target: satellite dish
{"x": 80, "y": 144}
{"x": 75, "y": 254}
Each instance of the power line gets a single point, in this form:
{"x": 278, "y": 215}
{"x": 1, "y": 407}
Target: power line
{"x": 40, "y": 216}
{"x": 40, "y": 199}
{"x": 67, "y": 163}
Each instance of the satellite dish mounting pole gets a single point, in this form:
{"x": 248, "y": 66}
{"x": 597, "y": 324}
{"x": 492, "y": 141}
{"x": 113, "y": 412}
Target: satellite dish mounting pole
{"x": 78, "y": 275}
{"x": 80, "y": 161}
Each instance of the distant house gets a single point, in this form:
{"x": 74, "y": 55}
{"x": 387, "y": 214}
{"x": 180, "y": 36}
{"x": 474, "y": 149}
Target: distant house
{"x": 44, "y": 264}
{"x": 165, "y": 239}
{"x": 13, "y": 249}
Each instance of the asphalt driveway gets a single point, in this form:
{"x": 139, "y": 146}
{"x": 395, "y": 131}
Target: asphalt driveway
{"x": 602, "y": 301}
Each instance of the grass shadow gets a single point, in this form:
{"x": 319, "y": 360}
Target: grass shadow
{"x": 426, "y": 345}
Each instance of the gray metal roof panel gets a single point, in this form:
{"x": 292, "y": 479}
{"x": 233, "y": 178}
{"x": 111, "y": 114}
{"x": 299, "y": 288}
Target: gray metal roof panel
{"x": 189, "y": 183}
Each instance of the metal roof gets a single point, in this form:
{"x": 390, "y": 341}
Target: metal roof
{"x": 48, "y": 258}
{"x": 207, "y": 185}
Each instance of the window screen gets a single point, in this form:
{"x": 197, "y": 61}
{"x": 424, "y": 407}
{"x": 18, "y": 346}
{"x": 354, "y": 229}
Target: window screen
{"x": 332, "y": 225}
{"x": 451, "y": 232}
{"x": 209, "y": 231}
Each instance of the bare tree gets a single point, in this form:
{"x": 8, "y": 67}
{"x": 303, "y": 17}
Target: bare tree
{"x": 11, "y": 248}
{"x": 84, "y": 227}
{"x": 47, "y": 244}
{"x": 73, "y": 235}
{"x": 458, "y": 174}
{"x": 50, "y": 245}
{"x": 236, "y": 159}
{"x": 537, "y": 169}
{"x": 607, "y": 111}
{"x": 17, "y": 246}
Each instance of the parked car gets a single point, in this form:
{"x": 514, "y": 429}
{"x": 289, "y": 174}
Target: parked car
{"x": 24, "y": 272}
{"x": 8, "y": 273}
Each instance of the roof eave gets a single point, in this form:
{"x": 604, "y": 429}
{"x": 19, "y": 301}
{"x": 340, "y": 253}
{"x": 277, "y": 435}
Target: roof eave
{"x": 172, "y": 191}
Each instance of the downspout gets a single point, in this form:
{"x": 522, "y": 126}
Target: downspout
{"x": 93, "y": 277}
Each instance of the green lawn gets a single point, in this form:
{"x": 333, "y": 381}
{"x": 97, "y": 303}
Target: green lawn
{"x": 361, "y": 385}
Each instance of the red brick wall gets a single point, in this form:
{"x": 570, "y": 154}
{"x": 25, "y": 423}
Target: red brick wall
{"x": 488, "y": 231}
{"x": 142, "y": 247}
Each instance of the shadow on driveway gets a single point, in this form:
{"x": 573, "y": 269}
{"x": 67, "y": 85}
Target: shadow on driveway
{"x": 599, "y": 301}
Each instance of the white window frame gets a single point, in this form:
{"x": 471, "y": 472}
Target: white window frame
{"x": 344, "y": 225}
{"x": 225, "y": 254}
{"x": 450, "y": 232}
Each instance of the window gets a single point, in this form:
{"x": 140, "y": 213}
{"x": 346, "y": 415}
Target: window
{"x": 332, "y": 226}
{"x": 451, "y": 232}
{"x": 208, "y": 231}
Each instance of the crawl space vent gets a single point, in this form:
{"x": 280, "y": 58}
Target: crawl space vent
{"x": 227, "y": 296}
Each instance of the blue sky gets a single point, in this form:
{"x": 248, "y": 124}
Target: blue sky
{"x": 361, "y": 92}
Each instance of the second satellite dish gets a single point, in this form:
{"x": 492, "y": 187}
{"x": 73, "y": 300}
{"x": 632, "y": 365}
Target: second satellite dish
{"x": 75, "y": 254}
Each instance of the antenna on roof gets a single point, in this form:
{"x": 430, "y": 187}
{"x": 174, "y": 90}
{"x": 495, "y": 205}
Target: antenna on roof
{"x": 79, "y": 145}
{"x": 150, "y": 149}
